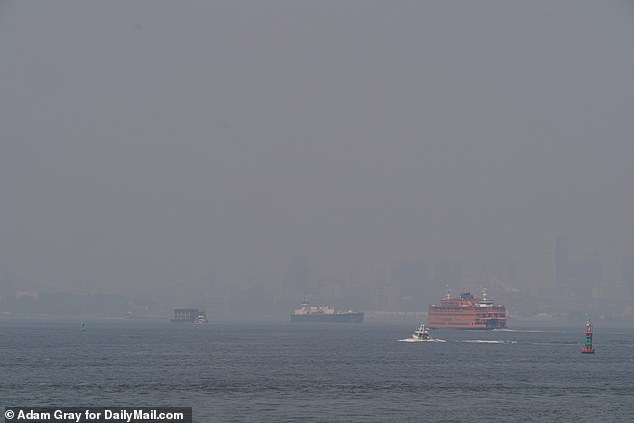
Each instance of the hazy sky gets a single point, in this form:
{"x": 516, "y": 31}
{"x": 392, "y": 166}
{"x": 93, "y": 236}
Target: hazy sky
{"x": 146, "y": 141}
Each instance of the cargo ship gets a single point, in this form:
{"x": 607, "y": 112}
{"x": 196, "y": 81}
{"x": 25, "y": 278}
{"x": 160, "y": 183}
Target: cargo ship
{"x": 466, "y": 312}
{"x": 308, "y": 313}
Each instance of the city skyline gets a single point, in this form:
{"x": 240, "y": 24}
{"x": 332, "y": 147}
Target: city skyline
{"x": 376, "y": 285}
{"x": 145, "y": 143}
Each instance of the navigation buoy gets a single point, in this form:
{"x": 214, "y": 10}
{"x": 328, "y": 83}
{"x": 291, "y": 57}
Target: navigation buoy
{"x": 587, "y": 341}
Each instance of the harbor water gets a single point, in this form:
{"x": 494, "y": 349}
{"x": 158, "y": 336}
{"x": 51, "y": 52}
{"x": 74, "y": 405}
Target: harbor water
{"x": 319, "y": 372}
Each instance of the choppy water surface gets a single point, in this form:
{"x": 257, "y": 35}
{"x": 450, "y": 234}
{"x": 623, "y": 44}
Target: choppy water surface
{"x": 321, "y": 372}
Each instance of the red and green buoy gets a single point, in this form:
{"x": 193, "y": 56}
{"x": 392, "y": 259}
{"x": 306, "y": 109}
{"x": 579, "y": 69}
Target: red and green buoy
{"x": 587, "y": 340}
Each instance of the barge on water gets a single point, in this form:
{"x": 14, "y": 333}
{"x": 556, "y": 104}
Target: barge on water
{"x": 189, "y": 315}
{"x": 308, "y": 313}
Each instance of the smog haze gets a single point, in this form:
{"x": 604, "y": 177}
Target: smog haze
{"x": 237, "y": 155}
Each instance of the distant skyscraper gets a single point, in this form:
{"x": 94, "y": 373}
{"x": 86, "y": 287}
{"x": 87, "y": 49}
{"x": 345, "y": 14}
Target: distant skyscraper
{"x": 411, "y": 279}
{"x": 447, "y": 273}
{"x": 386, "y": 295}
{"x": 504, "y": 268}
{"x": 386, "y": 298}
{"x": 556, "y": 260}
{"x": 297, "y": 277}
{"x": 585, "y": 274}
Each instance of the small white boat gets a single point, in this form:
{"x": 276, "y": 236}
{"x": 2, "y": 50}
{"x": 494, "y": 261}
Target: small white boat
{"x": 201, "y": 318}
{"x": 421, "y": 334}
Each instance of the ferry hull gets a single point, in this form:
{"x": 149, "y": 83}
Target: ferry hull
{"x": 469, "y": 324}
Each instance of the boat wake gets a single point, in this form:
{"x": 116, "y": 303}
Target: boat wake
{"x": 556, "y": 343}
{"x": 487, "y": 341}
{"x": 421, "y": 340}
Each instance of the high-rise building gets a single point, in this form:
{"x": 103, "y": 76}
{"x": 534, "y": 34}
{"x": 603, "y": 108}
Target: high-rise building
{"x": 411, "y": 279}
{"x": 386, "y": 298}
{"x": 504, "y": 268}
{"x": 585, "y": 274}
{"x": 448, "y": 273}
{"x": 386, "y": 295}
{"x": 297, "y": 278}
{"x": 556, "y": 261}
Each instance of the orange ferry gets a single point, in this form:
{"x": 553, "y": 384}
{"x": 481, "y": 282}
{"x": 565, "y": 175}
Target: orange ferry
{"x": 466, "y": 312}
